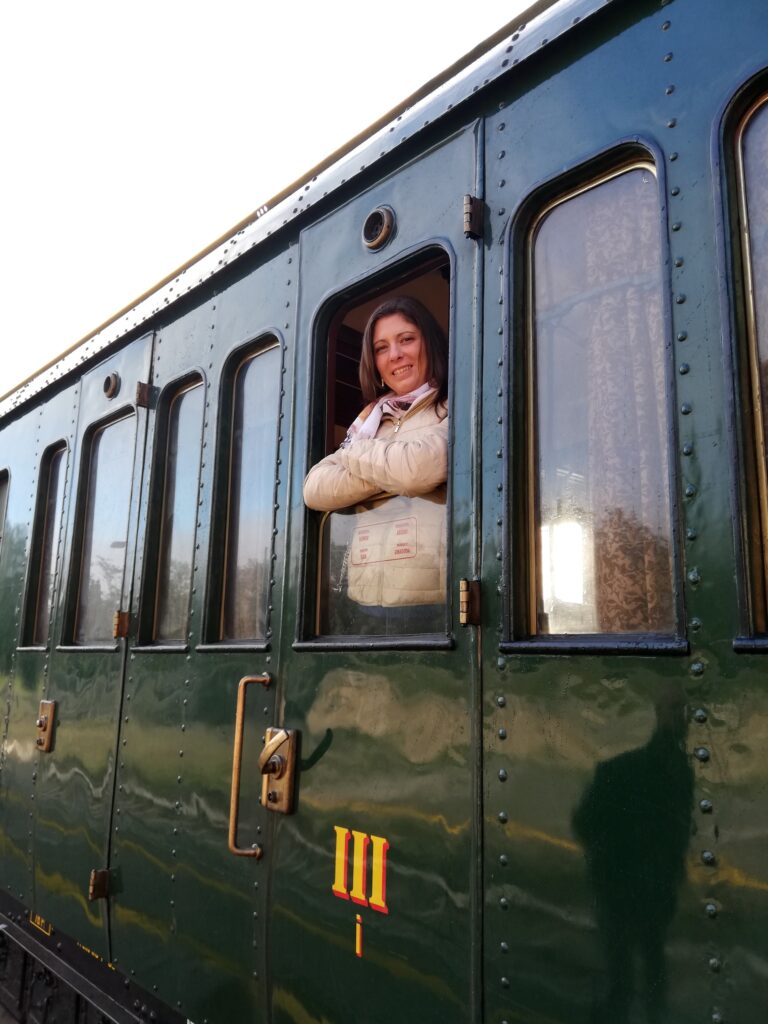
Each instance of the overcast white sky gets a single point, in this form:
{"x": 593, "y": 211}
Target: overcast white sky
{"x": 133, "y": 135}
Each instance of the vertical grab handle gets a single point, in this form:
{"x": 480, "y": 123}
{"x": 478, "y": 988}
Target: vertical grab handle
{"x": 237, "y": 760}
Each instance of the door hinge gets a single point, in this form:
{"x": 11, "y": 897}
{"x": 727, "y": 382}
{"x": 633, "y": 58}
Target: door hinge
{"x": 98, "y": 884}
{"x": 469, "y": 602}
{"x": 120, "y": 624}
{"x": 474, "y": 217}
{"x": 146, "y": 395}
{"x": 44, "y": 724}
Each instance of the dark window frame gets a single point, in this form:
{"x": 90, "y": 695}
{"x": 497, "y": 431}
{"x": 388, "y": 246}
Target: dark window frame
{"x": 430, "y": 255}
{"x": 40, "y": 524}
{"x": 149, "y": 599}
{"x": 215, "y": 600}
{"x": 519, "y": 630}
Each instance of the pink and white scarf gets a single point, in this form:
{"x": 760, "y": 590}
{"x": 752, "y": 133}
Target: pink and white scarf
{"x": 390, "y": 403}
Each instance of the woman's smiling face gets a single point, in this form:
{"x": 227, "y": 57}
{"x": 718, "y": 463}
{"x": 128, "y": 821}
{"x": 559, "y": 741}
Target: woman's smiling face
{"x": 400, "y": 353}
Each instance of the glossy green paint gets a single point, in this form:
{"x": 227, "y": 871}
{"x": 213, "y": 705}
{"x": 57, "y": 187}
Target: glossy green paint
{"x": 548, "y": 853}
{"x": 600, "y": 901}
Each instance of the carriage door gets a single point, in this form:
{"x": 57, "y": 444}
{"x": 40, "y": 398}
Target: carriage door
{"x": 86, "y": 669}
{"x": 373, "y": 895}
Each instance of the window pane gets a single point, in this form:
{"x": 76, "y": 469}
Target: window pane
{"x": 754, "y": 153}
{"x": 383, "y": 570}
{"x": 105, "y": 531}
{"x": 53, "y": 482}
{"x": 177, "y": 532}
{"x": 602, "y": 516}
{"x": 251, "y": 496}
{"x": 3, "y": 502}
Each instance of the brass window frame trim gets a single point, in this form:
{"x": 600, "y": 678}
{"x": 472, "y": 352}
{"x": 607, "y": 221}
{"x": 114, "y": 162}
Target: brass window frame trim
{"x": 533, "y": 549}
{"x": 753, "y": 358}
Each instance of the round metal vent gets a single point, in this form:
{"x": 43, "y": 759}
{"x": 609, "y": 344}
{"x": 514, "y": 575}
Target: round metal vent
{"x": 378, "y": 227}
{"x": 111, "y": 385}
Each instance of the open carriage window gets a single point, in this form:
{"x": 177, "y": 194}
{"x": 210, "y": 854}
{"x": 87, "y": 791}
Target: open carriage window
{"x": 599, "y": 539}
{"x": 382, "y": 551}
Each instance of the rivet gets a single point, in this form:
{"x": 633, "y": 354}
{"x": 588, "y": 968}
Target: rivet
{"x": 686, "y": 408}
{"x": 694, "y": 576}
{"x": 502, "y": 734}
{"x": 667, "y": 58}
{"x": 500, "y": 127}
{"x": 673, "y": 156}
{"x": 501, "y": 701}
{"x": 502, "y": 775}
{"x": 501, "y": 664}
{"x": 705, "y": 806}
{"x": 505, "y": 982}
{"x": 708, "y": 858}
{"x": 675, "y": 191}
{"x": 691, "y": 534}
{"x": 665, "y": 26}
{"x": 504, "y": 947}
{"x": 695, "y": 624}
{"x": 685, "y": 368}
{"x": 697, "y": 668}
{"x": 710, "y": 909}
{"x": 682, "y": 335}
{"x": 504, "y": 903}
{"x": 717, "y": 1017}
{"x": 701, "y": 754}
{"x": 503, "y": 860}
{"x": 700, "y": 715}
{"x": 672, "y": 122}
{"x": 690, "y": 491}
{"x": 503, "y": 818}
{"x": 714, "y": 964}
{"x": 502, "y": 154}
{"x": 679, "y": 261}
{"x": 680, "y": 299}
{"x": 502, "y": 183}
{"x": 687, "y": 448}
{"x": 677, "y": 225}
{"x": 669, "y": 90}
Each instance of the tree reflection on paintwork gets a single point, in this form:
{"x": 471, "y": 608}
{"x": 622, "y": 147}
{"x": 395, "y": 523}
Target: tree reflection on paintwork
{"x": 634, "y": 822}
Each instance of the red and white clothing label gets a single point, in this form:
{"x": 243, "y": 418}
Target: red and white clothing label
{"x": 384, "y": 542}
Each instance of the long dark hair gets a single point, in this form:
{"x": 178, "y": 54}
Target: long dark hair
{"x": 434, "y": 339}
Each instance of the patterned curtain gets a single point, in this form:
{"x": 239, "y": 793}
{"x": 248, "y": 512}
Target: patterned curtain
{"x": 601, "y": 407}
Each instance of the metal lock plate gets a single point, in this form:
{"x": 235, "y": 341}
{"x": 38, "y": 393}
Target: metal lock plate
{"x": 44, "y": 725}
{"x": 277, "y": 764}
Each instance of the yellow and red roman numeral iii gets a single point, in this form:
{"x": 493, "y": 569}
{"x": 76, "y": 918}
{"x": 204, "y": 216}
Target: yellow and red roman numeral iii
{"x": 358, "y": 893}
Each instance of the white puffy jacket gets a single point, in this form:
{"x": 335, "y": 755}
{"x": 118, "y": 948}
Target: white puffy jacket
{"x": 397, "y": 554}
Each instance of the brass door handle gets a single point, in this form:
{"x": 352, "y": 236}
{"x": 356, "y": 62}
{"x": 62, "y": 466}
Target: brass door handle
{"x": 277, "y": 764}
{"x": 237, "y": 761}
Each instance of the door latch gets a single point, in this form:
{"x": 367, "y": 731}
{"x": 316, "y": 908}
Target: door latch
{"x": 44, "y": 725}
{"x": 277, "y": 764}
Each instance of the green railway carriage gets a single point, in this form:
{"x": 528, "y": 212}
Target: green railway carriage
{"x": 229, "y": 792}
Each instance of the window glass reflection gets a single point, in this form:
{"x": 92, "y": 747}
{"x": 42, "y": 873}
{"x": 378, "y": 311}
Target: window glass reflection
{"x": 53, "y": 481}
{"x": 602, "y": 517}
{"x": 383, "y": 568}
{"x": 177, "y": 531}
{"x": 251, "y": 496}
{"x": 105, "y": 531}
